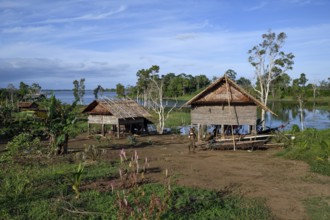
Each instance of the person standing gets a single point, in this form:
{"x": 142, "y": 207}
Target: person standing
{"x": 192, "y": 137}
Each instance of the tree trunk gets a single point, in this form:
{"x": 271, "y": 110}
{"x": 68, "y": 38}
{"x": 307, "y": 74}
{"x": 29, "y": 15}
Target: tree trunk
{"x": 63, "y": 148}
{"x": 52, "y": 143}
{"x": 301, "y": 101}
{"x": 145, "y": 99}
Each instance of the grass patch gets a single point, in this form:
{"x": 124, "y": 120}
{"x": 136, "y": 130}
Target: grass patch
{"x": 313, "y": 147}
{"x": 318, "y": 208}
{"x": 42, "y": 188}
{"x": 178, "y": 118}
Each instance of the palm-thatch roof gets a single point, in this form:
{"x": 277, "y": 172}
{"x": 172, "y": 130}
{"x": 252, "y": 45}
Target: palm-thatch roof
{"x": 28, "y": 105}
{"x": 225, "y": 90}
{"x": 120, "y": 108}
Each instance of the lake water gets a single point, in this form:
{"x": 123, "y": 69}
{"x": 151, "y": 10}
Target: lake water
{"x": 288, "y": 113}
{"x": 66, "y": 96}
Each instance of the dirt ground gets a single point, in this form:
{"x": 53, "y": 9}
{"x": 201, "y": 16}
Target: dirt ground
{"x": 284, "y": 184}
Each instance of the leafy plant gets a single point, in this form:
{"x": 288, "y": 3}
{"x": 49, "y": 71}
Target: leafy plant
{"x": 91, "y": 152}
{"x": 23, "y": 144}
{"x": 77, "y": 179}
{"x": 312, "y": 146}
{"x": 132, "y": 140}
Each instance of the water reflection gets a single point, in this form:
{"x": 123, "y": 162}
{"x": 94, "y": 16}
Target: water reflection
{"x": 288, "y": 113}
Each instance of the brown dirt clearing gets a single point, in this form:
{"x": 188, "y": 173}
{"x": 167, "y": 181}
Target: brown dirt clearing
{"x": 285, "y": 184}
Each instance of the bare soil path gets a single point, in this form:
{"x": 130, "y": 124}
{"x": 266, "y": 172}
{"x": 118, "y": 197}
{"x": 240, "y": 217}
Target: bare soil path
{"x": 284, "y": 184}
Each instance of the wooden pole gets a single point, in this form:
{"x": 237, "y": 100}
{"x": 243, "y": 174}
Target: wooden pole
{"x": 118, "y": 128}
{"x": 232, "y": 129}
{"x": 102, "y": 129}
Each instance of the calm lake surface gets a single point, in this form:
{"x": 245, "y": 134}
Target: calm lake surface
{"x": 288, "y": 113}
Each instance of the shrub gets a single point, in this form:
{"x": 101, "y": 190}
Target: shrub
{"x": 131, "y": 139}
{"x": 23, "y": 144}
{"x": 312, "y": 146}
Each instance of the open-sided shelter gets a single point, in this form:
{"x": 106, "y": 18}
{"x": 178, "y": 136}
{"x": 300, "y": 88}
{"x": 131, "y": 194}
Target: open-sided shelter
{"x": 224, "y": 104}
{"x": 122, "y": 114}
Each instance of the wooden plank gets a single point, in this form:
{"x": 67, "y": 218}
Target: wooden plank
{"x": 102, "y": 119}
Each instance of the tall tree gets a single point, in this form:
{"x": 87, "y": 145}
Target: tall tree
{"x": 79, "y": 90}
{"x": 201, "y": 81}
{"x": 120, "y": 90}
{"x": 59, "y": 124}
{"x": 23, "y": 89}
{"x": 11, "y": 89}
{"x": 156, "y": 94}
{"x": 244, "y": 82}
{"x": 231, "y": 74}
{"x": 302, "y": 80}
{"x": 98, "y": 90}
{"x": 280, "y": 85}
{"x": 314, "y": 86}
{"x": 269, "y": 62}
{"x": 144, "y": 80}
{"x": 35, "y": 88}
{"x": 299, "y": 94}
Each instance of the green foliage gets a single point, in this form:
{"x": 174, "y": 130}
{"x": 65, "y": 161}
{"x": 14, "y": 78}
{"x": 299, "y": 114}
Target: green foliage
{"x": 7, "y": 120}
{"x": 318, "y": 208}
{"x": 98, "y": 90}
{"x": 231, "y": 74}
{"x": 174, "y": 85}
{"x": 59, "y": 124}
{"x": 312, "y": 146}
{"x": 79, "y": 90}
{"x": 178, "y": 118}
{"x": 45, "y": 189}
{"x": 188, "y": 203}
{"x": 91, "y": 153}
{"x": 120, "y": 90}
{"x": 131, "y": 139}
{"x": 295, "y": 128}
{"x": 77, "y": 179}
{"x": 23, "y": 144}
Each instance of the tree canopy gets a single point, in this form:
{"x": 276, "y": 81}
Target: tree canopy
{"x": 269, "y": 62}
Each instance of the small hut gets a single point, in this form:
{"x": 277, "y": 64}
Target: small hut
{"x": 225, "y": 105}
{"x": 27, "y": 106}
{"x": 122, "y": 114}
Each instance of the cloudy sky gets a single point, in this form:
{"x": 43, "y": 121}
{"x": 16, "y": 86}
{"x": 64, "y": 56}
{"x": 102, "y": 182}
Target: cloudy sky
{"x": 107, "y": 41}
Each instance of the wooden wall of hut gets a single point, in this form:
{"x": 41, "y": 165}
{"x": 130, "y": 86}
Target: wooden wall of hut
{"x": 224, "y": 115}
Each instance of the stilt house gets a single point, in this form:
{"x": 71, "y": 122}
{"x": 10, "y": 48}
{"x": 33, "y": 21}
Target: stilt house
{"x": 225, "y": 105}
{"x": 123, "y": 115}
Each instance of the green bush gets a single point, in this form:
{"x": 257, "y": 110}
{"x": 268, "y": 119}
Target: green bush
{"x": 312, "y": 146}
{"x": 23, "y": 143}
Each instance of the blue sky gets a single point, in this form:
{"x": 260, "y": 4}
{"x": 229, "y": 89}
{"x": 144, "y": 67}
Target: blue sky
{"x": 107, "y": 41}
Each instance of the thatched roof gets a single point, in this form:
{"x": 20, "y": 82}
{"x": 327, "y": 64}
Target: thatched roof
{"x": 222, "y": 90}
{"x": 28, "y": 105}
{"x": 121, "y": 108}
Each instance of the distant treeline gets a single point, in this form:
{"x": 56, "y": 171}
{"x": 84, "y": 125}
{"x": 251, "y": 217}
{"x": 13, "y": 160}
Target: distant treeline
{"x": 179, "y": 85}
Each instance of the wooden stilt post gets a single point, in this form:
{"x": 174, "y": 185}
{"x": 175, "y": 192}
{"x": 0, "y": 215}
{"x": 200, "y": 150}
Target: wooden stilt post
{"x": 232, "y": 129}
{"x": 199, "y": 132}
{"x": 118, "y": 130}
{"x": 88, "y": 129}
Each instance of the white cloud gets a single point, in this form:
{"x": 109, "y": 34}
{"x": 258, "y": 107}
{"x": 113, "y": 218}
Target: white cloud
{"x": 111, "y": 41}
{"x": 86, "y": 17}
{"x": 259, "y": 6}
